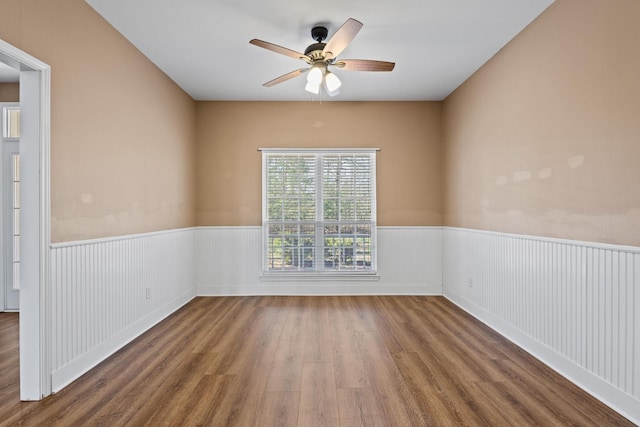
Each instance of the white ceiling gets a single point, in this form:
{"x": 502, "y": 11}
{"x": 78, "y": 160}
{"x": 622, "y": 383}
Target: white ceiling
{"x": 203, "y": 45}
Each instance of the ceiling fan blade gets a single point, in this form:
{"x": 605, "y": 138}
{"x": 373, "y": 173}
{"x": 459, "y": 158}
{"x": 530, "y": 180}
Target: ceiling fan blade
{"x": 341, "y": 39}
{"x": 285, "y": 77}
{"x": 364, "y": 65}
{"x": 281, "y": 50}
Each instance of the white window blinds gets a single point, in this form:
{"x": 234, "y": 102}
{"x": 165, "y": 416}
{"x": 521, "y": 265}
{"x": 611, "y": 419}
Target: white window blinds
{"x": 319, "y": 211}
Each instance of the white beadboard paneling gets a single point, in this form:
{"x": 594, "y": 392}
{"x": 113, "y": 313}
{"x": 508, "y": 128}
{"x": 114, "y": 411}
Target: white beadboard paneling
{"x": 572, "y": 304}
{"x": 411, "y": 256}
{"x": 228, "y": 259}
{"x": 99, "y": 290}
{"x": 409, "y": 262}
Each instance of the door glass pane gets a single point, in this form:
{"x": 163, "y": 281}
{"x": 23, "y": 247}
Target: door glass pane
{"x": 11, "y": 119}
{"x": 16, "y": 220}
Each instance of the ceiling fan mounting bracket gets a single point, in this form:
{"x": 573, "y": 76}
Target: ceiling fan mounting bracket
{"x": 319, "y": 33}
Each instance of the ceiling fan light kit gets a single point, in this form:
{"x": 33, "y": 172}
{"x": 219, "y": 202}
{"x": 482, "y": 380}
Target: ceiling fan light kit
{"x": 332, "y": 82}
{"x": 320, "y": 56}
{"x": 314, "y": 79}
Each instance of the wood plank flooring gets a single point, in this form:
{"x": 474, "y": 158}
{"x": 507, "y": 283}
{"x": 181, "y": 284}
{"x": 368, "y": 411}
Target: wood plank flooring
{"x": 309, "y": 361}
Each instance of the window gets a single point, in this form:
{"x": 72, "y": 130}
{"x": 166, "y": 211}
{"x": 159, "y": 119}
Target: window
{"x": 319, "y": 211}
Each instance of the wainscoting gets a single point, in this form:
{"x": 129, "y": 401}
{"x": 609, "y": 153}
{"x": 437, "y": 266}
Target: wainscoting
{"x": 574, "y": 305}
{"x": 229, "y": 263}
{"x": 106, "y": 292}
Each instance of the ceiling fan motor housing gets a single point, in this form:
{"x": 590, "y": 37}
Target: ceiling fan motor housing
{"x": 314, "y": 51}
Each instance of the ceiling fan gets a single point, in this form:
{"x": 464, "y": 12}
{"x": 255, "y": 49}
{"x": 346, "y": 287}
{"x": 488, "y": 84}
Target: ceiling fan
{"x": 320, "y": 56}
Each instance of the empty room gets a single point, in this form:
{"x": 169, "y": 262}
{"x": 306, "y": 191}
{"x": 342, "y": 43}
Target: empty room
{"x": 422, "y": 212}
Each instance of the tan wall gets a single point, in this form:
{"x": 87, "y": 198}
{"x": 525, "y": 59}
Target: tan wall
{"x": 122, "y": 133}
{"x": 9, "y": 92}
{"x": 545, "y": 138}
{"x": 542, "y": 140}
{"x": 409, "y": 163}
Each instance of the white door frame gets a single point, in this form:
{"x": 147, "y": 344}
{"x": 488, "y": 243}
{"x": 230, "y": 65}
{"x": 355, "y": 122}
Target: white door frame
{"x": 35, "y": 302}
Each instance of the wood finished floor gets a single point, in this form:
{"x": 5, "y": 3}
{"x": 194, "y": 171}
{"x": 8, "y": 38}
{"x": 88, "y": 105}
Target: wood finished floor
{"x": 309, "y": 361}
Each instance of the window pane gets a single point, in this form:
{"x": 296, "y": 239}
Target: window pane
{"x": 331, "y": 209}
{"x": 307, "y": 175}
{"x": 307, "y": 209}
{"x": 331, "y": 258}
{"x": 290, "y": 186}
{"x": 16, "y": 167}
{"x": 363, "y": 252}
{"x": 16, "y": 248}
{"x": 308, "y": 258}
{"x": 275, "y": 229}
{"x": 347, "y": 210}
{"x": 290, "y": 241}
{"x": 289, "y": 259}
{"x": 307, "y": 241}
{"x": 330, "y": 188}
{"x": 330, "y": 230}
{"x": 16, "y": 194}
{"x": 274, "y": 253}
{"x": 363, "y": 187}
{"x": 307, "y": 229}
{"x": 347, "y": 229}
{"x": 16, "y": 276}
{"x": 347, "y": 247}
{"x": 289, "y": 229}
{"x": 16, "y": 221}
{"x": 274, "y": 177}
{"x": 290, "y": 209}
{"x": 363, "y": 210}
{"x": 346, "y": 259}
{"x": 339, "y": 253}
{"x": 347, "y": 177}
{"x": 11, "y": 119}
{"x": 363, "y": 229}
{"x": 274, "y": 209}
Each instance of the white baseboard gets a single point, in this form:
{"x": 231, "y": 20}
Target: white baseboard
{"x": 82, "y": 364}
{"x": 611, "y": 396}
{"x": 571, "y": 304}
{"x": 106, "y": 292}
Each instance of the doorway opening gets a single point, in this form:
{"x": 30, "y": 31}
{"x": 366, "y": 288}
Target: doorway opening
{"x": 33, "y": 202}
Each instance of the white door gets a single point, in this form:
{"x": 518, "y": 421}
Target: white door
{"x": 10, "y": 207}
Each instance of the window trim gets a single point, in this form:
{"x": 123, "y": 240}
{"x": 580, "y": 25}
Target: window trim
{"x": 356, "y": 275}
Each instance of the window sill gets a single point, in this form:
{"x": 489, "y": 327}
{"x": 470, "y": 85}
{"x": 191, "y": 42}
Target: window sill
{"x": 316, "y": 277}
